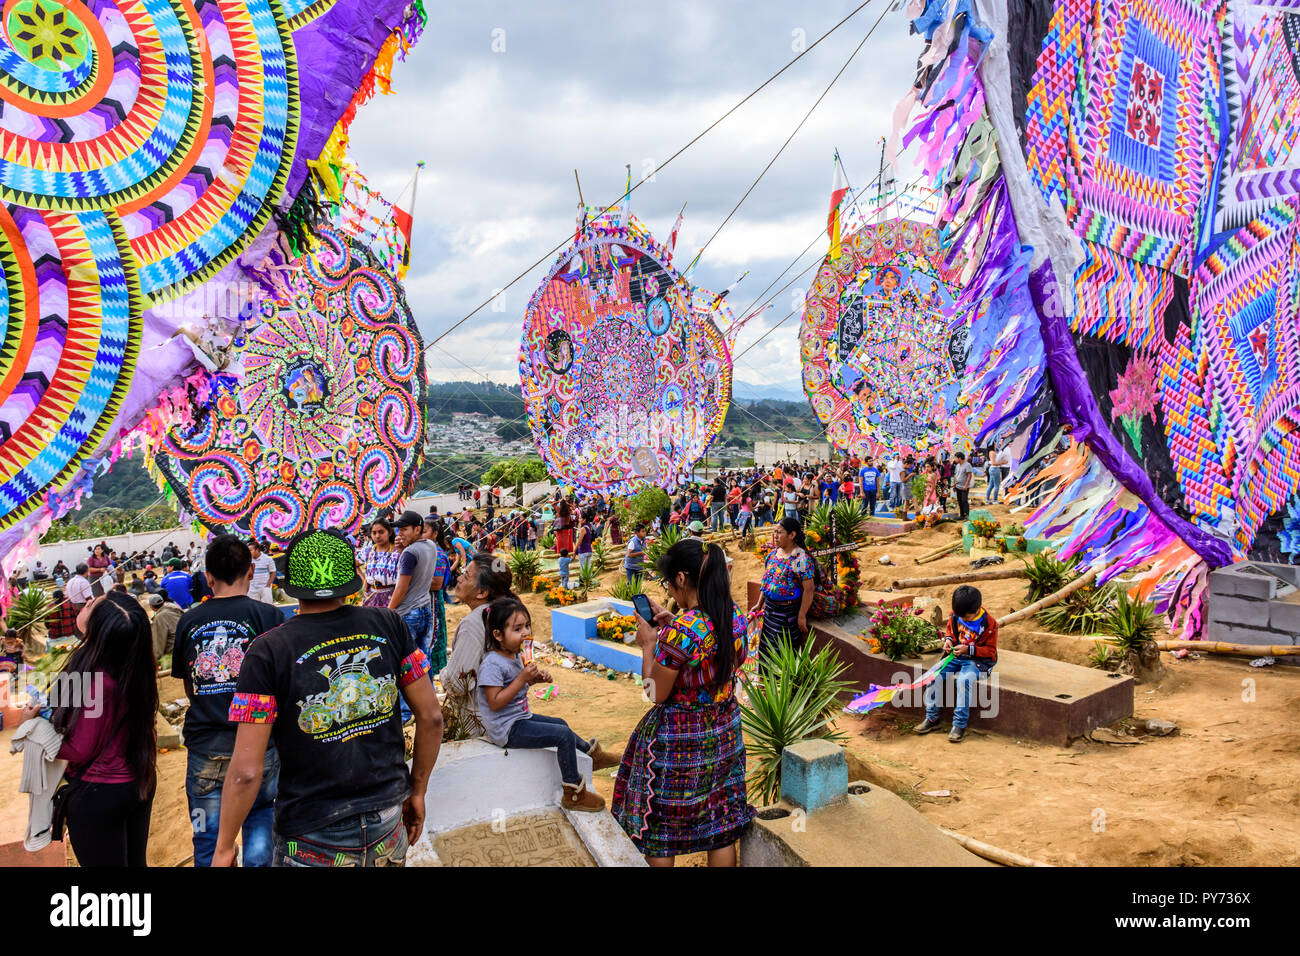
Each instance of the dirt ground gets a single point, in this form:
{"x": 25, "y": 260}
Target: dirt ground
{"x": 1220, "y": 792}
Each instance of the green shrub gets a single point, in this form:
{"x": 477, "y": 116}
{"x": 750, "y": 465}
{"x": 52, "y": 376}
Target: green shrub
{"x": 1130, "y": 624}
{"x": 1082, "y": 612}
{"x": 623, "y": 589}
{"x": 667, "y": 538}
{"x": 795, "y": 699}
{"x": 588, "y": 577}
{"x": 1047, "y": 575}
{"x": 524, "y": 566}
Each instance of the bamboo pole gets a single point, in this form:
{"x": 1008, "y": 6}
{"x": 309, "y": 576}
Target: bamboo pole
{"x": 990, "y": 852}
{"x": 946, "y": 550}
{"x": 1223, "y": 647}
{"x": 961, "y": 577}
{"x": 1051, "y": 599}
{"x": 889, "y": 537}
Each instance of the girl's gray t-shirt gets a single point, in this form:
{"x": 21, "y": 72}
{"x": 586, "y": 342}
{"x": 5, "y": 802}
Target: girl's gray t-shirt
{"x": 497, "y": 670}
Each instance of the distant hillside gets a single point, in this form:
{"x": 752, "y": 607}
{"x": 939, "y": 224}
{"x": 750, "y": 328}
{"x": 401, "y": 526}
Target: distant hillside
{"x": 486, "y": 398}
{"x": 748, "y": 420}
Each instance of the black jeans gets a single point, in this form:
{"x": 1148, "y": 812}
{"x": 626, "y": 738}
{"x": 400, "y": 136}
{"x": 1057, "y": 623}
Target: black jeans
{"x": 963, "y": 501}
{"x": 869, "y": 501}
{"x": 108, "y": 824}
{"x": 540, "y": 731}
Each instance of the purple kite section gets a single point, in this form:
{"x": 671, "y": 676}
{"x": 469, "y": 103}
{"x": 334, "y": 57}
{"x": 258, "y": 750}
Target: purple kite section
{"x": 1079, "y": 409}
{"x": 335, "y": 51}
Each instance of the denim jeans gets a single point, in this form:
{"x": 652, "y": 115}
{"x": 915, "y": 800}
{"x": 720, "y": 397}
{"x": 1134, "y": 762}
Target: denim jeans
{"x": 869, "y": 501}
{"x": 965, "y": 675}
{"x": 584, "y": 560}
{"x": 995, "y": 483}
{"x": 633, "y": 574}
{"x": 204, "y": 777}
{"x": 420, "y": 623}
{"x": 377, "y": 838}
{"x": 539, "y": 731}
{"x": 718, "y": 511}
{"x": 895, "y": 494}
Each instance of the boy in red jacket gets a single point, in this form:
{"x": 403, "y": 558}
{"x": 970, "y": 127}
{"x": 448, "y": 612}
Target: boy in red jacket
{"x": 972, "y": 638}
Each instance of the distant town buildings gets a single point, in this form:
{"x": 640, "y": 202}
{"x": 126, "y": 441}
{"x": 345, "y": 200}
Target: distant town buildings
{"x": 471, "y": 432}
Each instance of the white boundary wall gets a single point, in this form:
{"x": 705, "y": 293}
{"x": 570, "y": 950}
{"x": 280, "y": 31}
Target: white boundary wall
{"x": 76, "y": 550}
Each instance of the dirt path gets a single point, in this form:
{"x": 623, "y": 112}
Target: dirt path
{"x": 1221, "y": 792}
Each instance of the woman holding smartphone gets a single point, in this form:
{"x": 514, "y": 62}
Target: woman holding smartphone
{"x": 105, "y": 701}
{"x": 693, "y": 797}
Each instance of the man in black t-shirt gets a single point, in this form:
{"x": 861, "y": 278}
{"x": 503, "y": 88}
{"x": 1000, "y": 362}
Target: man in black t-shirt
{"x": 325, "y": 686}
{"x": 212, "y": 642}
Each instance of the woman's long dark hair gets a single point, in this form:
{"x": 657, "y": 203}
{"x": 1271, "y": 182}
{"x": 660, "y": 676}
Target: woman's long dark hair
{"x": 705, "y": 568}
{"x": 118, "y": 643}
{"x": 387, "y": 526}
{"x": 793, "y": 526}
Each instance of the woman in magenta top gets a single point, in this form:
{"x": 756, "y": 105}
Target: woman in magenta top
{"x": 98, "y": 563}
{"x": 104, "y": 702}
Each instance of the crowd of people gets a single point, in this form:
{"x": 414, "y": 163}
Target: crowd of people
{"x": 294, "y": 732}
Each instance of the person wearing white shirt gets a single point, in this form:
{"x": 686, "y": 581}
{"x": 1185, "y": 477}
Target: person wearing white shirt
{"x": 894, "y": 469}
{"x": 263, "y": 575}
{"x": 999, "y": 465}
{"x": 78, "y": 593}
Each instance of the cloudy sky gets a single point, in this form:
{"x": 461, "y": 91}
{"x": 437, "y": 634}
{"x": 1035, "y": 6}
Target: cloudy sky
{"x": 503, "y": 100}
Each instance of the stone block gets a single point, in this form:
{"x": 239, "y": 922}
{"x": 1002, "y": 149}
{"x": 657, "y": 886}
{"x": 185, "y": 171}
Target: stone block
{"x": 1239, "y": 611}
{"x": 1285, "y": 617}
{"x": 1242, "y": 581}
{"x": 169, "y": 738}
{"x": 1218, "y": 631}
{"x": 814, "y": 774}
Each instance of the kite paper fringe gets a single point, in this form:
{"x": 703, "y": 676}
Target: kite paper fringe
{"x": 1088, "y": 514}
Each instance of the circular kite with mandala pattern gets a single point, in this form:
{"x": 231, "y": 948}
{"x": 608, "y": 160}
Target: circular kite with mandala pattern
{"x": 883, "y": 355}
{"x": 625, "y": 374}
{"x": 327, "y": 427}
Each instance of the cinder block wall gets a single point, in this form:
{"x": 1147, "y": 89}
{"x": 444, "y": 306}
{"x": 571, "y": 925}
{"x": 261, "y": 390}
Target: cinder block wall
{"x": 1254, "y": 603}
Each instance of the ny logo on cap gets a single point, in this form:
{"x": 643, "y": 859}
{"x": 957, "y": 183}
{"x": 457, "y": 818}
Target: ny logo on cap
{"x": 322, "y": 569}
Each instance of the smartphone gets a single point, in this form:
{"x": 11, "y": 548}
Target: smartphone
{"x": 97, "y": 588}
{"x": 642, "y": 605}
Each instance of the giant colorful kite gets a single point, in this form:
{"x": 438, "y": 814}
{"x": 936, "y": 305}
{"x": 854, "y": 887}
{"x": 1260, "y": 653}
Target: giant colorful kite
{"x": 326, "y": 425}
{"x": 625, "y": 368}
{"x": 884, "y": 354}
{"x": 1126, "y": 178}
{"x": 150, "y": 149}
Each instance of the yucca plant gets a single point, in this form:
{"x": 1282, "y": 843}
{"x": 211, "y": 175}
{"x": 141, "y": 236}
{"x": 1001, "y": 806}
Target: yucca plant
{"x": 667, "y": 538}
{"x": 623, "y": 589}
{"x": 817, "y": 527}
{"x": 850, "y": 521}
{"x": 1102, "y": 657}
{"x": 600, "y": 553}
{"x": 796, "y": 698}
{"x": 1047, "y": 575}
{"x": 1082, "y": 612}
{"x": 1131, "y": 625}
{"x": 588, "y": 577}
{"x": 524, "y": 566}
{"x": 547, "y": 541}
{"x": 30, "y": 608}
